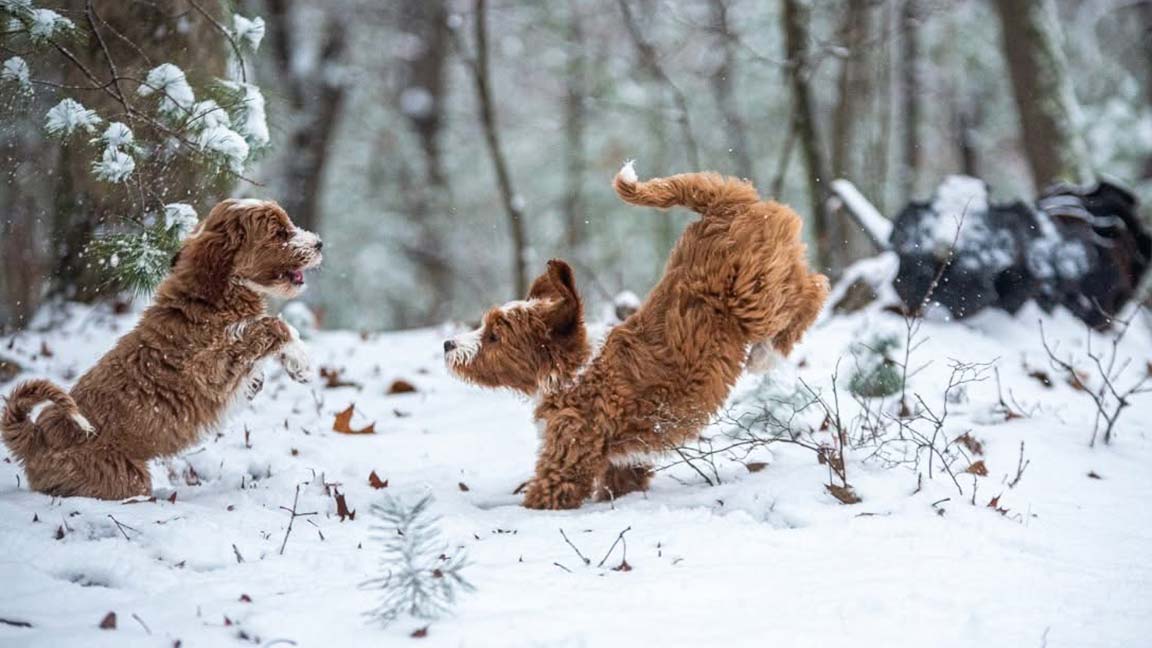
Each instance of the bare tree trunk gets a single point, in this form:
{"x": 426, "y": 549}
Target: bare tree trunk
{"x": 796, "y": 47}
{"x": 855, "y": 86}
{"x": 512, "y": 202}
{"x": 315, "y": 99}
{"x": 1045, "y": 98}
{"x": 427, "y": 196}
{"x": 1145, "y": 10}
{"x": 910, "y": 97}
{"x": 650, "y": 61}
{"x": 574, "y": 120}
{"x": 722, "y": 77}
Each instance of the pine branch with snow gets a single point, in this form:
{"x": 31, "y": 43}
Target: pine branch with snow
{"x": 419, "y": 577}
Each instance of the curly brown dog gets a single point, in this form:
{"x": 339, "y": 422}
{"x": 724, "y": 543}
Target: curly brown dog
{"x": 737, "y": 286}
{"x": 193, "y": 351}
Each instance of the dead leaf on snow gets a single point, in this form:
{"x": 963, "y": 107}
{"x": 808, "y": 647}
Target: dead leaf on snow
{"x": 343, "y": 423}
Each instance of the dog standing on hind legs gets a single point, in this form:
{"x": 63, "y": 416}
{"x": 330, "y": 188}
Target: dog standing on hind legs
{"x": 736, "y": 291}
{"x": 194, "y": 351}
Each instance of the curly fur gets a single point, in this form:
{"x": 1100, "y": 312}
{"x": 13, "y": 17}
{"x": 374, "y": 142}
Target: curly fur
{"x": 174, "y": 375}
{"x": 737, "y": 279}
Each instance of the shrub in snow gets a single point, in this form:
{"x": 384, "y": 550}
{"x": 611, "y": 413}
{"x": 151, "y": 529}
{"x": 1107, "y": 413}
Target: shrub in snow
{"x": 161, "y": 122}
{"x": 419, "y": 577}
{"x": 875, "y": 374}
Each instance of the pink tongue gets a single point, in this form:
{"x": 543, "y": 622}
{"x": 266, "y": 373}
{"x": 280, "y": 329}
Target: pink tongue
{"x": 297, "y": 277}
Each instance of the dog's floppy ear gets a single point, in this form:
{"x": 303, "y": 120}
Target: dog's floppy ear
{"x": 208, "y": 256}
{"x": 558, "y": 285}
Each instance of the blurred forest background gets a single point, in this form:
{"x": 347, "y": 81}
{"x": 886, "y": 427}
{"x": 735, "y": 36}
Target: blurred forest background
{"x": 429, "y": 140}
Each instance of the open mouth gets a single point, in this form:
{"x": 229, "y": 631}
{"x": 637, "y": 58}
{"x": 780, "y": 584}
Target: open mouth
{"x": 295, "y": 277}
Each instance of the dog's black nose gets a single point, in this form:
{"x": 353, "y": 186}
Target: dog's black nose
{"x": 319, "y": 245}
{"x": 449, "y": 345}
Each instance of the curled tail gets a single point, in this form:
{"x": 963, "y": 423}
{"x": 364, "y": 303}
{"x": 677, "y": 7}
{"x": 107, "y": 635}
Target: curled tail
{"x": 20, "y": 433}
{"x": 699, "y": 192}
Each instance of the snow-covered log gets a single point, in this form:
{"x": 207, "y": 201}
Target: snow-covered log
{"x": 871, "y": 221}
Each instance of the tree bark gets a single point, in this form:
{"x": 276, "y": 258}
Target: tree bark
{"x": 796, "y": 49}
{"x": 855, "y": 86}
{"x": 910, "y": 97}
{"x": 1045, "y": 99}
{"x": 574, "y": 120}
{"x": 316, "y": 100}
{"x": 722, "y": 89}
{"x": 481, "y": 76}
{"x": 427, "y": 195}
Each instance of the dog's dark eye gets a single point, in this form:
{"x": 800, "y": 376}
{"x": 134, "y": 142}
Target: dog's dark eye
{"x": 492, "y": 338}
{"x": 283, "y": 234}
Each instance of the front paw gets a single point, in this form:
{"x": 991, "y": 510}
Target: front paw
{"x": 294, "y": 358}
{"x": 555, "y": 496}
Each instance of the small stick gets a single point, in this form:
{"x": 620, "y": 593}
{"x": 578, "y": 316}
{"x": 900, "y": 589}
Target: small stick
{"x": 619, "y": 538}
{"x": 122, "y": 527}
{"x": 141, "y": 622}
{"x": 562, "y": 567}
{"x": 1021, "y": 466}
{"x": 586, "y": 561}
{"x": 291, "y": 520}
{"x": 239, "y": 558}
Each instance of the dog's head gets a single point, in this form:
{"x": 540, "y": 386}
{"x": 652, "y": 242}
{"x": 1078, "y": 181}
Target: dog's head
{"x": 526, "y": 345}
{"x": 250, "y": 242}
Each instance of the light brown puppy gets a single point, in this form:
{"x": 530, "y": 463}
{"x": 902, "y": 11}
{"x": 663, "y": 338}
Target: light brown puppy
{"x": 194, "y": 350}
{"x": 737, "y": 288}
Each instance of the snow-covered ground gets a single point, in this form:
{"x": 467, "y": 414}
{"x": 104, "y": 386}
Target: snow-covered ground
{"x": 765, "y": 558}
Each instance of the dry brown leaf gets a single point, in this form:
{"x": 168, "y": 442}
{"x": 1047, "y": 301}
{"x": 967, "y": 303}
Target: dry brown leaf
{"x": 108, "y": 622}
{"x": 968, "y": 441}
{"x": 334, "y": 378}
{"x": 977, "y": 468}
{"x": 463, "y": 487}
{"x": 401, "y": 386}
{"x": 375, "y": 482}
{"x": 755, "y": 466}
{"x": 419, "y": 633}
{"x": 1093, "y": 475}
{"x": 1042, "y": 376}
{"x": 342, "y": 508}
{"x": 343, "y": 423}
{"x": 843, "y": 493}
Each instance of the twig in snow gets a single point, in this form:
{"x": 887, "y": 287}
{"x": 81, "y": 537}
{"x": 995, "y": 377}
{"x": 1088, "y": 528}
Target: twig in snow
{"x": 1021, "y": 466}
{"x": 619, "y": 539}
{"x": 141, "y": 622}
{"x": 565, "y": 536}
{"x": 239, "y": 558}
{"x": 295, "y": 515}
{"x": 122, "y": 526}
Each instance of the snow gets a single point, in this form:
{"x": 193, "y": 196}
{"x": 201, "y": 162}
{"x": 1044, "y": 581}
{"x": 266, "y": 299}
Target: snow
{"x": 227, "y": 144}
{"x": 181, "y": 217}
{"x": 878, "y": 228}
{"x": 15, "y": 70}
{"x": 117, "y": 135}
{"x": 65, "y": 117}
{"x": 249, "y": 31}
{"x": 46, "y": 24}
{"x": 416, "y": 101}
{"x": 169, "y": 82}
{"x": 628, "y": 171}
{"x": 208, "y": 114}
{"x": 765, "y": 558}
{"x": 251, "y": 117}
{"x": 114, "y": 165}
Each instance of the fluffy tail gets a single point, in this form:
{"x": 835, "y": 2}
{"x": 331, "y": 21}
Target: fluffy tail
{"x": 20, "y": 433}
{"x": 700, "y": 192}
